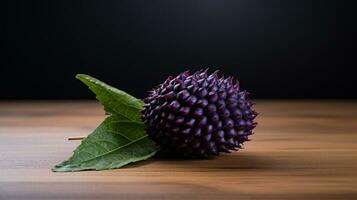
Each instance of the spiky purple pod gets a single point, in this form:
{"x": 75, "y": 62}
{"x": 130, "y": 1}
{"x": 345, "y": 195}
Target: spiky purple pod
{"x": 199, "y": 115}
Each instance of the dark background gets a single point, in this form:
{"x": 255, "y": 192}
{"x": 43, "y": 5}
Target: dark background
{"x": 277, "y": 49}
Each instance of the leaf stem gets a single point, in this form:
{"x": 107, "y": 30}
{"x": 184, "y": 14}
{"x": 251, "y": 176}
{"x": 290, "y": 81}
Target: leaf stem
{"x": 76, "y": 138}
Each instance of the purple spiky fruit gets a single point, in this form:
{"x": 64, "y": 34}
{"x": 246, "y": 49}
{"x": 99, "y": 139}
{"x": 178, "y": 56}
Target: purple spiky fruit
{"x": 198, "y": 115}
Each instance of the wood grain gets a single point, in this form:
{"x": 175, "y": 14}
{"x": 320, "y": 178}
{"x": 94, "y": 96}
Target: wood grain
{"x": 301, "y": 150}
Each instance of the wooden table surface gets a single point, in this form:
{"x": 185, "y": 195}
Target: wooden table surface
{"x": 301, "y": 150}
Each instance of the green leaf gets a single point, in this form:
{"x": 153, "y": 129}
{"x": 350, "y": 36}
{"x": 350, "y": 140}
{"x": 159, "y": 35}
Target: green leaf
{"x": 120, "y": 139}
{"x": 113, "y": 144}
{"x": 114, "y": 101}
